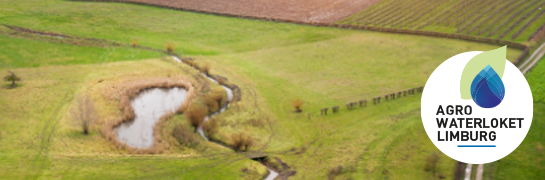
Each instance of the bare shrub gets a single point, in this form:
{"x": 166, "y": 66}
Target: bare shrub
{"x": 298, "y": 105}
{"x": 221, "y": 81}
{"x": 195, "y": 114}
{"x": 169, "y": 47}
{"x": 431, "y": 163}
{"x": 12, "y": 78}
{"x": 205, "y": 68}
{"x": 184, "y": 136}
{"x": 85, "y": 113}
{"x": 135, "y": 43}
{"x": 214, "y": 100}
{"x": 334, "y": 172}
{"x": 191, "y": 63}
{"x": 211, "y": 128}
{"x": 241, "y": 142}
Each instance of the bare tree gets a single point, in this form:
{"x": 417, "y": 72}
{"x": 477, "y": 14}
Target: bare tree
{"x": 12, "y": 77}
{"x": 85, "y": 113}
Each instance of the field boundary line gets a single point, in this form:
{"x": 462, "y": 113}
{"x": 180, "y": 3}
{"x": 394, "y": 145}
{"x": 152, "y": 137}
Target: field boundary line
{"x": 486, "y": 40}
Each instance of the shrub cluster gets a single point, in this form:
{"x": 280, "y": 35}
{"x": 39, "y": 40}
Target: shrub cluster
{"x": 211, "y": 128}
{"x": 169, "y": 47}
{"x": 214, "y": 100}
{"x": 195, "y": 114}
{"x": 135, "y": 43}
{"x": 241, "y": 142}
{"x": 298, "y": 105}
{"x": 184, "y": 136}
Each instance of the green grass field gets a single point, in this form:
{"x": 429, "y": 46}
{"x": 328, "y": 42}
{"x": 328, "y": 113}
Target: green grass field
{"x": 273, "y": 64}
{"x": 537, "y": 82}
{"x": 527, "y": 162}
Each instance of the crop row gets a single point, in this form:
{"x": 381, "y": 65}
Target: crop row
{"x": 465, "y": 11}
{"x": 521, "y": 29}
{"x": 413, "y": 12}
{"x": 462, "y": 17}
{"x": 459, "y": 8}
{"x": 484, "y": 20}
{"x": 510, "y": 19}
{"x": 386, "y": 13}
{"x": 472, "y": 17}
{"x": 499, "y": 17}
{"x": 409, "y": 24}
{"x": 444, "y": 14}
{"x": 520, "y": 20}
{"x": 484, "y": 12}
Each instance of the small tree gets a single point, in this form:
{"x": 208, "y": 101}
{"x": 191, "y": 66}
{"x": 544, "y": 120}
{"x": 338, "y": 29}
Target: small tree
{"x": 184, "y": 136}
{"x": 135, "y": 43}
{"x": 241, "y": 142}
{"x": 431, "y": 163}
{"x": 205, "y": 68}
{"x": 298, "y": 105}
{"x": 195, "y": 115}
{"x": 13, "y": 78}
{"x": 170, "y": 47}
{"x": 211, "y": 128}
{"x": 214, "y": 100}
{"x": 85, "y": 113}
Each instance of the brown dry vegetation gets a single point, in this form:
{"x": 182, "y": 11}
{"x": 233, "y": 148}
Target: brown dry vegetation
{"x": 298, "y": 105}
{"x": 211, "y": 128}
{"x": 184, "y": 136}
{"x": 241, "y": 142}
{"x": 169, "y": 47}
{"x": 214, "y": 100}
{"x": 195, "y": 115}
{"x": 126, "y": 91}
{"x": 205, "y": 68}
{"x": 135, "y": 43}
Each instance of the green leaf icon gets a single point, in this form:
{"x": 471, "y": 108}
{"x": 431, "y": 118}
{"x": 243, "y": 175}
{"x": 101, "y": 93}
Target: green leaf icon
{"x": 494, "y": 58}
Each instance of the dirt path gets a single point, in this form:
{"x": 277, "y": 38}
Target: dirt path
{"x": 534, "y": 58}
{"x": 480, "y": 170}
{"x": 468, "y": 172}
{"x": 527, "y": 65}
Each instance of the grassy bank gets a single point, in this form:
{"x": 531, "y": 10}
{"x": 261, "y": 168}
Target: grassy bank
{"x": 40, "y": 138}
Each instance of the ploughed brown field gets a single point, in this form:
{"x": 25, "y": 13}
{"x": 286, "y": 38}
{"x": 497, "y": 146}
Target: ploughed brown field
{"x": 324, "y": 11}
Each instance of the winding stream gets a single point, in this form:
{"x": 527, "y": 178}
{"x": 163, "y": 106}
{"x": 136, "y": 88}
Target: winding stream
{"x": 152, "y": 104}
{"x": 272, "y": 174}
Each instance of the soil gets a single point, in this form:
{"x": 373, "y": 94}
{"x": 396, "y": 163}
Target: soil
{"x": 318, "y": 11}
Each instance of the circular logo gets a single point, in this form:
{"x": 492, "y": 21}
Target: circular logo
{"x": 477, "y": 107}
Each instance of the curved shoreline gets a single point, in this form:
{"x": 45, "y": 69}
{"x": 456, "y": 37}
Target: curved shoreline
{"x": 272, "y": 174}
{"x": 109, "y": 129}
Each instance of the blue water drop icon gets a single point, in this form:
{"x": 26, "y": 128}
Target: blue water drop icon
{"x": 487, "y": 89}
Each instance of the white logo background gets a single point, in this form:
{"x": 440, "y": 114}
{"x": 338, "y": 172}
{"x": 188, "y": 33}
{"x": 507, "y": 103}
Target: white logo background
{"x": 443, "y": 88}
